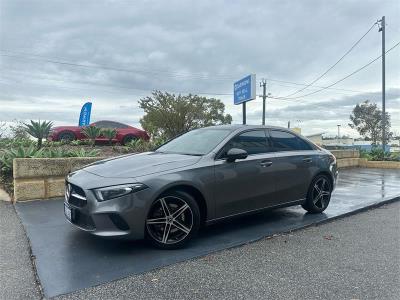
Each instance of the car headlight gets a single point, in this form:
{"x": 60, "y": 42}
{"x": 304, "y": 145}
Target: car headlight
{"x": 107, "y": 193}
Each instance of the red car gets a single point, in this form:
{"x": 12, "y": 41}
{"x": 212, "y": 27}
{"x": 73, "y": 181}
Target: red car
{"x": 125, "y": 133}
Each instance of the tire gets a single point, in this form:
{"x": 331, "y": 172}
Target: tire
{"x": 128, "y": 138}
{"x": 66, "y": 136}
{"x": 319, "y": 194}
{"x": 181, "y": 228}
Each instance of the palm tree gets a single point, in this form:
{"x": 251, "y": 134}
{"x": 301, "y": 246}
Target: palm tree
{"x": 39, "y": 130}
{"x": 92, "y": 132}
{"x": 109, "y": 134}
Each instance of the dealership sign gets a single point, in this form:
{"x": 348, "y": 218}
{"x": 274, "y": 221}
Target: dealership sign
{"x": 244, "y": 89}
{"x": 84, "y": 118}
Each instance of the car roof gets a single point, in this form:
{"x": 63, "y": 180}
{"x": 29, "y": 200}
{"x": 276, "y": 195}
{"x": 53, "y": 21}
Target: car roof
{"x": 234, "y": 127}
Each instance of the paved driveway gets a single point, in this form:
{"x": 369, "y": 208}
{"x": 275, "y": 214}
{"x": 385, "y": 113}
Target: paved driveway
{"x": 352, "y": 258}
{"x": 68, "y": 259}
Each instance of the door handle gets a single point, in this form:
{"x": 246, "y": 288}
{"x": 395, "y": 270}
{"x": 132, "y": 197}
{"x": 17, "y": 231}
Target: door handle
{"x": 266, "y": 163}
{"x": 307, "y": 159}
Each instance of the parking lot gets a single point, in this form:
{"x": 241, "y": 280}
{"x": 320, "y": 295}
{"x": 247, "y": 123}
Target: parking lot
{"x": 68, "y": 260}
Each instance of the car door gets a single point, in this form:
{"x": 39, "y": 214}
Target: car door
{"x": 294, "y": 163}
{"x": 247, "y": 184}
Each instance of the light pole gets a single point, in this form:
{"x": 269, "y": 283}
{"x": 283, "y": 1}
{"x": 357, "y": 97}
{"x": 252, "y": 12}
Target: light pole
{"x": 338, "y": 132}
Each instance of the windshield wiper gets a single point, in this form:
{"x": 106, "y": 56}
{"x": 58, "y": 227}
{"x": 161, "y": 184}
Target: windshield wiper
{"x": 192, "y": 154}
{"x": 182, "y": 153}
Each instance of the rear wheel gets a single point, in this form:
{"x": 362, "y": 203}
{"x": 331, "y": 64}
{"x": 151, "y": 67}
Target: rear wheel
{"x": 319, "y": 194}
{"x": 173, "y": 220}
{"x": 66, "y": 136}
{"x": 129, "y": 138}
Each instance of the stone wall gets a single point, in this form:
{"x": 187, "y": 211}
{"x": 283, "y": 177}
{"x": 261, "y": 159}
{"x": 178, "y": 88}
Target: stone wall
{"x": 364, "y": 163}
{"x": 43, "y": 178}
{"x": 347, "y": 158}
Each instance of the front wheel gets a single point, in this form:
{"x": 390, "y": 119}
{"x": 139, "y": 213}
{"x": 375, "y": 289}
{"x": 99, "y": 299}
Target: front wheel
{"x": 319, "y": 194}
{"x": 173, "y": 220}
{"x": 66, "y": 136}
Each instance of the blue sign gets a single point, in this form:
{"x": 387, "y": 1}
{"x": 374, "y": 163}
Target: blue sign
{"x": 244, "y": 89}
{"x": 84, "y": 118}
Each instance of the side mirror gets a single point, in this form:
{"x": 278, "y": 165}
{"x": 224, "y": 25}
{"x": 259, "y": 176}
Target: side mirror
{"x": 236, "y": 153}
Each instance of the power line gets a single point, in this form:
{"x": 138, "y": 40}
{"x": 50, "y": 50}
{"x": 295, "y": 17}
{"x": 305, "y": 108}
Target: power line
{"x": 338, "y": 61}
{"x": 229, "y": 94}
{"x": 315, "y": 86}
{"x": 173, "y": 74}
{"x": 117, "y": 86}
{"x": 109, "y": 68}
{"x": 344, "y": 78}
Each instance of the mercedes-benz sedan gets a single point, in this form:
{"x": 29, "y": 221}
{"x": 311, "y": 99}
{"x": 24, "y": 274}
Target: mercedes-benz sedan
{"x": 198, "y": 178}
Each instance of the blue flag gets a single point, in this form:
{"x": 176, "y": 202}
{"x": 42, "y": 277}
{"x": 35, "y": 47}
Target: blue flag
{"x": 84, "y": 118}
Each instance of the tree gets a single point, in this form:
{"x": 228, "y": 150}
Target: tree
{"x": 18, "y": 130}
{"x": 109, "y": 134}
{"x": 92, "y": 133}
{"x": 2, "y": 129}
{"x": 168, "y": 115}
{"x": 367, "y": 120}
{"x": 39, "y": 130}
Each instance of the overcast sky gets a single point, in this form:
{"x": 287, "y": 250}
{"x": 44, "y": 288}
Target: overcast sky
{"x": 198, "y": 47}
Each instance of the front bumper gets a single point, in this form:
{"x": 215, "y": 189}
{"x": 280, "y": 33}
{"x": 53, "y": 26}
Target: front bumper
{"x": 119, "y": 217}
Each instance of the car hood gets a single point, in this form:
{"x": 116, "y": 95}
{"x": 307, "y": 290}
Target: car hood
{"x": 136, "y": 165}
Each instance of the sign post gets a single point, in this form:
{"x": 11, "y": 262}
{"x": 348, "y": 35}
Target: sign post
{"x": 244, "y": 90}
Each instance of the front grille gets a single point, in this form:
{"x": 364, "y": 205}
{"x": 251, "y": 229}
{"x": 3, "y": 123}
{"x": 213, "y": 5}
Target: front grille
{"x": 75, "y": 195}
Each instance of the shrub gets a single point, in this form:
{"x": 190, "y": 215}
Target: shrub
{"x": 109, "y": 134}
{"x": 377, "y": 154}
{"x": 83, "y": 153}
{"x": 80, "y": 142}
{"x": 38, "y": 130}
{"x": 14, "y": 143}
{"x": 6, "y": 158}
{"x": 54, "y": 153}
{"x": 141, "y": 145}
{"x": 92, "y": 132}
{"x": 138, "y": 145}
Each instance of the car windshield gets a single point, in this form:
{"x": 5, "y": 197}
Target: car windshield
{"x": 195, "y": 142}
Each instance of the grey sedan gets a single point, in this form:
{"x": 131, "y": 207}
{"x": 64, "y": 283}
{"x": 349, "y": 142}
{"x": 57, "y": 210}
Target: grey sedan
{"x": 196, "y": 179}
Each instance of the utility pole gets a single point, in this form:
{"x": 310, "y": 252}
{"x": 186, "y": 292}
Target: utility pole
{"x": 338, "y": 132}
{"x": 263, "y": 84}
{"x": 382, "y": 29}
{"x": 244, "y": 113}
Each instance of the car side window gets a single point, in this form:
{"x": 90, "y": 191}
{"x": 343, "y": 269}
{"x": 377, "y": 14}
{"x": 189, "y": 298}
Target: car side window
{"x": 254, "y": 142}
{"x": 101, "y": 124}
{"x": 285, "y": 141}
{"x": 110, "y": 124}
{"x": 118, "y": 125}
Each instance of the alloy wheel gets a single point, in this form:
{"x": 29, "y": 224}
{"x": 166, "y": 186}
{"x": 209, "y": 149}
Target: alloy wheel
{"x": 321, "y": 193}
{"x": 170, "y": 220}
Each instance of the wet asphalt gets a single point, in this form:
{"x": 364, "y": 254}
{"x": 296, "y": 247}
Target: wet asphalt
{"x": 356, "y": 257}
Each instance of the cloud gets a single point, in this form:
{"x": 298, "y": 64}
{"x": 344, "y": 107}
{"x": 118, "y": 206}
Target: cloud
{"x": 189, "y": 46}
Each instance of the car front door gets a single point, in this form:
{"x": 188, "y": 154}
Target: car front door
{"x": 245, "y": 184}
{"x": 294, "y": 166}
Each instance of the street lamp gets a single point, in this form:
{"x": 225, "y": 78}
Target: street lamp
{"x": 338, "y": 132}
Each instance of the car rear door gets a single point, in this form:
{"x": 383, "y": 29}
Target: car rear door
{"x": 246, "y": 184}
{"x": 294, "y": 166}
